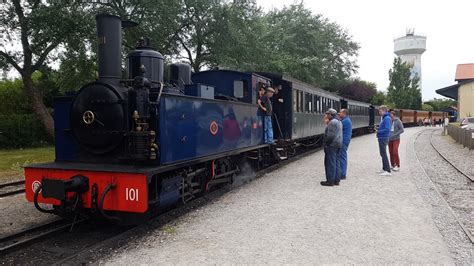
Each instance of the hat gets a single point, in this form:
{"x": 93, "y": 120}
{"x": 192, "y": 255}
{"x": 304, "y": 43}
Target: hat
{"x": 271, "y": 89}
{"x": 331, "y": 111}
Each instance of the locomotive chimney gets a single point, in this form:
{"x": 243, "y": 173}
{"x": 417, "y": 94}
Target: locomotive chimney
{"x": 109, "y": 33}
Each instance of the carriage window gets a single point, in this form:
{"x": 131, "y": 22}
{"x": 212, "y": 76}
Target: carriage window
{"x": 298, "y": 107}
{"x": 307, "y": 97}
{"x": 238, "y": 88}
{"x": 301, "y": 102}
{"x": 320, "y": 105}
{"x": 295, "y": 101}
{"x": 316, "y": 104}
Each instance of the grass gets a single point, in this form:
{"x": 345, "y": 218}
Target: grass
{"x": 12, "y": 161}
{"x": 171, "y": 230}
{"x": 456, "y": 124}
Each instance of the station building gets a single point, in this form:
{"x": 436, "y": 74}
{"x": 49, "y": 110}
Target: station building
{"x": 463, "y": 91}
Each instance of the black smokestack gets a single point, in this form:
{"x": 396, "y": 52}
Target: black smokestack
{"x": 109, "y": 33}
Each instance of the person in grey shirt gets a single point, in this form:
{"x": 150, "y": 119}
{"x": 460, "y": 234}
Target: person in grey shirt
{"x": 332, "y": 143}
{"x": 394, "y": 141}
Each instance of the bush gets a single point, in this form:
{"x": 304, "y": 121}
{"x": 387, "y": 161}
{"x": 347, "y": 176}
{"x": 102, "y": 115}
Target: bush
{"x": 13, "y": 98}
{"x": 21, "y": 130}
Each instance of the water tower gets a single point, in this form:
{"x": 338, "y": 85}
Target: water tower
{"x": 409, "y": 48}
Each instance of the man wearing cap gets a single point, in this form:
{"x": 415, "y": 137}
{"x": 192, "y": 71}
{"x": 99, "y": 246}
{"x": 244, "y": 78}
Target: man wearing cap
{"x": 332, "y": 143}
{"x": 267, "y": 118}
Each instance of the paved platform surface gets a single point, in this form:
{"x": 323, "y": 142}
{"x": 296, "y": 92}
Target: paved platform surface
{"x": 287, "y": 217}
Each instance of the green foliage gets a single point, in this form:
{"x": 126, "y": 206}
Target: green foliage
{"x": 238, "y": 42}
{"x": 18, "y": 126}
{"x": 76, "y": 69}
{"x": 40, "y": 27}
{"x": 427, "y": 107}
{"x": 357, "y": 89}
{"x": 21, "y": 130}
{"x": 13, "y": 98}
{"x": 307, "y": 47}
{"x": 199, "y": 29}
{"x": 159, "y": 20}
{"x": 30, "y": 34}
{"x": 403, "y": 90}
{"x": 379, "y": 98}
{"x": 440, "y": 104}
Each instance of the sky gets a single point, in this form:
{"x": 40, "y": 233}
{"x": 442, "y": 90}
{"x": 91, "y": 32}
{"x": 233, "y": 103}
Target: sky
{"x": 448, "y": 26}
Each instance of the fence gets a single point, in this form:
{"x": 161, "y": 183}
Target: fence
{"x": 463, "y": 136}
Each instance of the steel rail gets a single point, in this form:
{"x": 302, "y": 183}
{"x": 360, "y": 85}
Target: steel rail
{"x": 12, "y": 184}
{"x": 464, "y": 228}
{"x": 447, "y": 160}
{"x": 19, "y": 239}
{"x": 11, "y": 192}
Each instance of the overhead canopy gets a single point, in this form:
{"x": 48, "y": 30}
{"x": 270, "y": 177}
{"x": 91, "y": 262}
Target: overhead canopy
{"x": 452, "y": 91}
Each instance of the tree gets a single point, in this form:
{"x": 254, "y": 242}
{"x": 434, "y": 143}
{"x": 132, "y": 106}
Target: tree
{"x": 39, "y": 29}
{"x": 238, "y": 41}
{"x": 440, "y": 104}
{"x": 357, "y": 89}
{"x": 158, "y": 20}
{"x": 379, "y": 98}
{"x": 403, "y": 90}
{"x": 427, "y": 107}
{"x": 307, "y": 47}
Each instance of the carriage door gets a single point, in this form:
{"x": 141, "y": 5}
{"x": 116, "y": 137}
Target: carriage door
{"x": 343, "y": 105}
{"x": 278, "y": 119}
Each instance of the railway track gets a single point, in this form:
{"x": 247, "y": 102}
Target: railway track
{"x": 12, "y": 188}
{"x": 28, "y": 236}
{"x": 464, "y": 228}
{"x": 447, "y": 160}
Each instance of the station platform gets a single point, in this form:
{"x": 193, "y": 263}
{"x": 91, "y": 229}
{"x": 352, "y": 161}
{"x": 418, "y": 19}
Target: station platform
{"x": 286, "y": 216}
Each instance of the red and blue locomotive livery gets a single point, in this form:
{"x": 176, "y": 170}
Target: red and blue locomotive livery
{"x": 127, "y": 148}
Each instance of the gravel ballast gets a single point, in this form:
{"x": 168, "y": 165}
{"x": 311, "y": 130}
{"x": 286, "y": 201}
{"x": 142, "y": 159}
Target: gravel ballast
{"x": 287, "y": 217}
{"x": 437, "y": 175}
{"x": 17, "y": 215}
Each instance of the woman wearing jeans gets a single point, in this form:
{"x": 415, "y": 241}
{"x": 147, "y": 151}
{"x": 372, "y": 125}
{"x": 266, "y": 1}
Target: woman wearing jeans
{"x": 394, "y": 141}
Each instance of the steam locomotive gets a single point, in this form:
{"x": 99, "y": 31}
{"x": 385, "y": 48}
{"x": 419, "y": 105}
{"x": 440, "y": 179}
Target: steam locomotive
{"x": 130, "y": 148}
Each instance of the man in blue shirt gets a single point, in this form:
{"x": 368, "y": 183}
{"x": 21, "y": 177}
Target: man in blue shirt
{"x": 267, "y": 118}
{"x": 346, "y": 139}
{"x": 383, "y": 135}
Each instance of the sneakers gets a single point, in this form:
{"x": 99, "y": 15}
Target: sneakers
{"x": 380, "y": 171}
{"x": 385, "y": 173}
{"x": 396, "y": 168}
